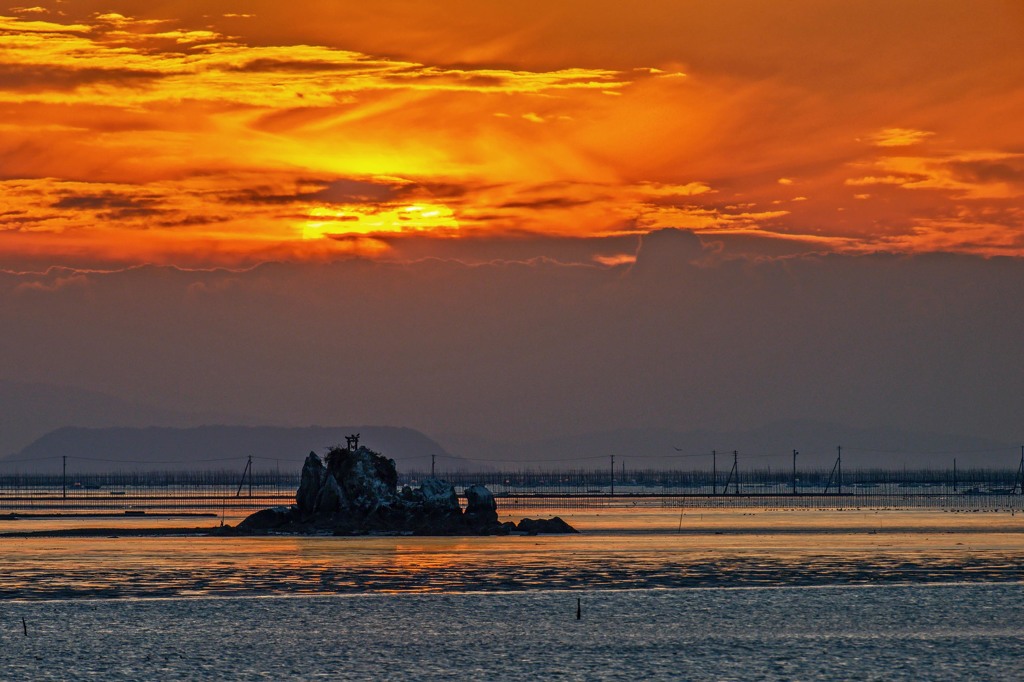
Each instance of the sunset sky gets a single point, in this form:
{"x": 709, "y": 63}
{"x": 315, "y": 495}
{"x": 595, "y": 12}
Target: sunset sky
{"x": 457, "y": 216}
{"x": 234, "y": 132}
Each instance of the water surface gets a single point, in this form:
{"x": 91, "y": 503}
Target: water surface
{"x": 621, "y": 549}
{"x": 913, "y": 632}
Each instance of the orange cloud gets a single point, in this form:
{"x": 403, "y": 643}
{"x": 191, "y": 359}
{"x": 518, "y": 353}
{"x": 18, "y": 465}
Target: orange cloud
{"x": 133, "y": 135}
{"x": 899, "y": 137}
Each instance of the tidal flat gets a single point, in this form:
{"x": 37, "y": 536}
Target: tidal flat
{"x": 618, "y": 549}
{"x": 900, "y": 632}
{"x": 663, "y": 593}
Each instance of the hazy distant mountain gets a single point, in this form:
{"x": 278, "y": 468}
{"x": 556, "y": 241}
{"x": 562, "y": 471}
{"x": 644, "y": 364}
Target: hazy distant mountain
{"x": 216, "y": 447}
{"x": 227, "y": 447}
{"x": 766, "y": 446}
{"x": 30, "y": 410}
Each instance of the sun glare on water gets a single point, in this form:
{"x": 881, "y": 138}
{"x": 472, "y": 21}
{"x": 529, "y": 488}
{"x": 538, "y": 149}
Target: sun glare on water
{"x": 329, "y": 222}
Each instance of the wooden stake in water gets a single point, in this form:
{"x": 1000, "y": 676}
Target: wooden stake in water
{"x": 24, "y": 626}
{"x": 579, "y": 608}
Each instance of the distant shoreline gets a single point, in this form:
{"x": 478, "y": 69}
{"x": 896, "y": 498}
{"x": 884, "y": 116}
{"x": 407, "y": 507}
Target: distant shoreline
{"x": 109, "y": 532}
{"x": 742, "y": 531}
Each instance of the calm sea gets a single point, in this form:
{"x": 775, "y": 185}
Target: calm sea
{"x": 911, "y": 632}
{"x": 679, "y": 595}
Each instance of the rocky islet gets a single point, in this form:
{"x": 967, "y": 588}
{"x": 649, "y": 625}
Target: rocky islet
{"x": 354, "y": 490}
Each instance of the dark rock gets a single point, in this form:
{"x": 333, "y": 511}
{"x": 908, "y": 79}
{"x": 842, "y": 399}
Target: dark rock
{"x": 354, "y": 491}
{"x": 368, "y": 480}
{"x": 313, "y": 474}
{"x": 269, "y": 519}
{"x": 481, "y": 509}
{"x": 439, "y": 496}
{"x": 555, "y": 525}
{"x": 331, "y": 497}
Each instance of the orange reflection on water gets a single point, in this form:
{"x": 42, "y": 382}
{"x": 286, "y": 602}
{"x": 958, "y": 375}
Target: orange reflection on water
{"x": 618, "y": 548}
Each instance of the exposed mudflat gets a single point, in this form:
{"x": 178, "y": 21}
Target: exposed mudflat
{"x": 618, "y": 549}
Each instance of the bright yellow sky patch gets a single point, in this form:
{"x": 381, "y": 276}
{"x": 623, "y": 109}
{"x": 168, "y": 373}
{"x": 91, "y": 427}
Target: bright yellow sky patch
{"x": 333, "y": 222}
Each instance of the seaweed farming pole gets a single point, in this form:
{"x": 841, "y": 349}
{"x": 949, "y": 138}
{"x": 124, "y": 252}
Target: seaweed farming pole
{"x": 838, "y": 467}
{"x": 714, "y": 472}
{"x": 247, "y": 470}
{"x": 1020, "y": 473}
{"x": 795, "y": 453}
{"x": 736, "y": 469}
{"x": 64, "y": 478}
{"x": 954, "y": 474}
{"x": 733, "y": 472}
{"x": 613, "y": 474}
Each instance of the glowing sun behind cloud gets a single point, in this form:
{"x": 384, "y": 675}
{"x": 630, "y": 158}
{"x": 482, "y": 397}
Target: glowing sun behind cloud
{"x": 334, "y": 222}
